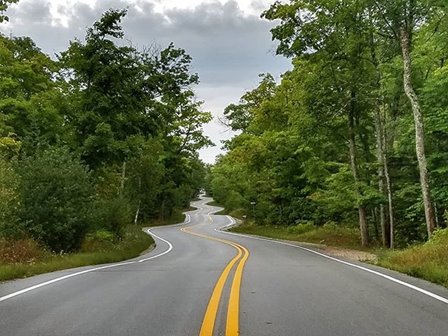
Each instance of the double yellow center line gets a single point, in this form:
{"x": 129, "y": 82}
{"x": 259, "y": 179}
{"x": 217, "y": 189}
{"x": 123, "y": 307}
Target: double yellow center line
{"x": 232, "y": 322}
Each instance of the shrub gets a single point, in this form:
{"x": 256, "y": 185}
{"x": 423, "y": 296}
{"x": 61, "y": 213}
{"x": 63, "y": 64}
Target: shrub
{"x": 56, "y": 197}
{"x": 113, "y": 215}
{"x": 19, "y": 251}
{"x": 100, "y": 240}
{"x": 9, "y": 201}
{"x": 301, "y": 228}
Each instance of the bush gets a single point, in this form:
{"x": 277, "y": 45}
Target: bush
{"x": 428, "y": 261}
{"x": 19, "y": 251}
{"x": 100, "y": 240}
{"x": 113, "y": 215}
{"x": 301, "y": 228}
{"x": 238, "y": 213}
{"x": 56, "y": 197}
{"x": 9, "y": 201}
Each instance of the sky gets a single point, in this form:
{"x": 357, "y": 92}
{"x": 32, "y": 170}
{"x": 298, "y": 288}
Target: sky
{"x": 229, "y": 43}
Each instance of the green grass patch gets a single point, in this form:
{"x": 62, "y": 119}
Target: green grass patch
{"x": 428, "y": 261}
{"x": 222, "y": 212}
{"x": 238, "y": 213}
{"x": 95, "y": 250}
{"x": 177, "y": 217}
{"x": 331, "y": 235}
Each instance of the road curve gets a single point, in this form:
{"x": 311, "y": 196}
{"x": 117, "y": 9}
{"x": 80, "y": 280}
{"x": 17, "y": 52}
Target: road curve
{"x": 201, "y": 281}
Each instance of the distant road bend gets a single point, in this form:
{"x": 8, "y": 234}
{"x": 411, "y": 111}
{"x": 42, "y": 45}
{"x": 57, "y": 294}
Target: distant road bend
{"x": 202, "y": 281}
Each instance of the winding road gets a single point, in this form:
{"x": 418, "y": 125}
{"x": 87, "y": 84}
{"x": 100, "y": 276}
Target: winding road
{"x": 200, "y": 280}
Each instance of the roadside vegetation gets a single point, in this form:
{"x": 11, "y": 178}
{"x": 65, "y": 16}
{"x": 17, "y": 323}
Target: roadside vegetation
{"x": 350, "y": 146}
{"x": 93, "y": 145}
{"x": 23, "y": 258}
{"x": 428, "y": 261}
{"x": 329, "y": 234}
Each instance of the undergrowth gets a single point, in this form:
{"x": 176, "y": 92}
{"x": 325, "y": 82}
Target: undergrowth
{"x": 329, "y": 234}
{"x": 25, "y": 258}
{"x": 428, "y": 261}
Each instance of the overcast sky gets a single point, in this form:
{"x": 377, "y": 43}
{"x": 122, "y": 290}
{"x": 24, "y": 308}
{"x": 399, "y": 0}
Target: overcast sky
{"x": 228, "y": 41}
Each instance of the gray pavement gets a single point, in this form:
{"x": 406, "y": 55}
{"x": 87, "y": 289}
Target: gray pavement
{"x": 285, "y": 291}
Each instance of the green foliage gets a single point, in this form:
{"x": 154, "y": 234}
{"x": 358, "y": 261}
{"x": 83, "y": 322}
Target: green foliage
{"x": 113, "y": 215}
{"x": 428, "y": 261}
{"x": 56, "y": 195}
{"x": 3, "y": 7}
{"x": 330, "y": 235}
{"x": 9, "y": 200}
{"x": 30, "y": 100}
{"x": 134, "y": 242}
{"x": 314, "y": 146}
{"x": 301, "y": 228}
{"x": 104, "y": 135}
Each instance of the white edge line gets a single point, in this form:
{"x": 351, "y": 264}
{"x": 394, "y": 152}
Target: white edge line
{"x": 49, "y": 282}
{"x": 46, "y": 283}
{"x": 388, "y": 277}
{"x": 170, "y": 247}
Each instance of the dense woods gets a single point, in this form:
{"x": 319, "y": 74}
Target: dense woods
{"x": 103, "y": 136}
{"x": 356, "y": 133}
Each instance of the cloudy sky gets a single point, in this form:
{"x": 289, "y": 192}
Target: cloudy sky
{"x": 228, "y": 41}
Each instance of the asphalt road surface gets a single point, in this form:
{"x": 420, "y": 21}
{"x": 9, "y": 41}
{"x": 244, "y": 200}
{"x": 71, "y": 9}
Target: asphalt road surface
{"x": 201, "y": 281}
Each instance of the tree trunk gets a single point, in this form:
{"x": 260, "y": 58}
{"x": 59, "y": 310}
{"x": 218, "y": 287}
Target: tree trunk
{"x": 375, "y": 223}
{"x": 419, "y": 129}
{"x": 123, "y": 177}
{"x": 137, "y": 212}
{"x": 352, "y": 146}
{"x": 389, "y": 193}
{"x": 380, "y": 156}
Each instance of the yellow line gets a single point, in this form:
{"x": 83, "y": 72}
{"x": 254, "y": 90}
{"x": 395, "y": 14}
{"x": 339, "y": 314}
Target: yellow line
{"x": 208, "y": 324}
{"x": 232, "y": 325}
{"x": 233, "y": 310}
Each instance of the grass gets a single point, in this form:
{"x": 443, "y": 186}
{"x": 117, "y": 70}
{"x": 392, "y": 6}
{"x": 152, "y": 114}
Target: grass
{"x": 134, "y": 242}
{"x": 331, "y": 235}
{"x": 177, "y": 217}
{"x": 428, "y": 261}
{"x": 25, "y": 258}
{"x": 224, "y": 212}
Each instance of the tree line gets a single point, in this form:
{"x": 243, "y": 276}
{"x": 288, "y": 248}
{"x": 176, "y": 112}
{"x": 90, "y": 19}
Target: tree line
{"x": 102, "y": 136}
{"x": 356, "y": 132}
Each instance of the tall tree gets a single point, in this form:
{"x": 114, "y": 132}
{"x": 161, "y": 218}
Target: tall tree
{"x": 401, "y": 19}
{"x": 332, "y": 33}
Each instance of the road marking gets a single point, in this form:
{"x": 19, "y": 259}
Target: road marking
{"x": 385, "y": 276}
{"x": 170, "y": 247}
{"x": 46, "y": 283}
{"x": 208, "y": 324}
{"x": 232, "y": 323}
{"x": 49, "y": 282}
{"x": 233, "y": 310}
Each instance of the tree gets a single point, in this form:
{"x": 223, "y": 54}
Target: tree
{"x": 30, "y": 97}
{"x": 401, "y": 18}
{"x": 104, "y": 83}
{"x": 56, "y": 197}
{"x": 333, "y": 34}
{"x": 4, "y": 4}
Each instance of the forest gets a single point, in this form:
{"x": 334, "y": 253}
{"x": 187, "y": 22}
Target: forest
{"x": 356, "y": 133}
{"x": 100, "y": 137}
